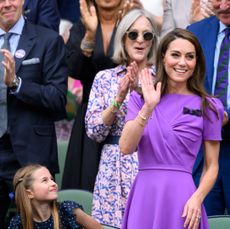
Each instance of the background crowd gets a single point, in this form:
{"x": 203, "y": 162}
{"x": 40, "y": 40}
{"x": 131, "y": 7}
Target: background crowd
{"x": 75, "y": 72}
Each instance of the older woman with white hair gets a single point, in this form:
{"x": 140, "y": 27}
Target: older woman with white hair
{"x": 134, "y": 46}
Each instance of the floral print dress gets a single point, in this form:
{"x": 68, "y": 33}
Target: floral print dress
{"x": 116, "y": 171}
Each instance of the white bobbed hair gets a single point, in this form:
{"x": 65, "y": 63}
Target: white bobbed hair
{"x": 120, "y": 55}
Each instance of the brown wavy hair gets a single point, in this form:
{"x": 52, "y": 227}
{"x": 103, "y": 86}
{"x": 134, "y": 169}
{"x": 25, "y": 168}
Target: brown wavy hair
{"x": 195, "y": 83}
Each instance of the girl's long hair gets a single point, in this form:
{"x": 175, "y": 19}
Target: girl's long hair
{"x": 22, "y": 181}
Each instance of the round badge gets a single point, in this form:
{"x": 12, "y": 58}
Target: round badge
{"x": 20, "y": 53}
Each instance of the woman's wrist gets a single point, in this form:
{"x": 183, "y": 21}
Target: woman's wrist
{"x": 114, "y": 107}
{"x": 119, "y": 99}
{"x": 87, "y": 45}
{"x": 146, "y": 110}
{"x": 89, "y": 36}
{"x": 199, "y": 196}
{"x": 116, "y": 104}
{"x": 141, "y": 119}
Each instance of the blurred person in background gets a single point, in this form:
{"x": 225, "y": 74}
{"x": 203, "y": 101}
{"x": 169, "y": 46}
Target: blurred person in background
{"x": 181, "y": 13}
{"x": 42, "y": 12}
{"x": 74, "y": 94}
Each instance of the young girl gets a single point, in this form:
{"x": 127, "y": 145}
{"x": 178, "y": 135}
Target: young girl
{"x": 36, "y": 195}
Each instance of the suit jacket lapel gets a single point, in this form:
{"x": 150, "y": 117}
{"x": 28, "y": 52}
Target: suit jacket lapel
{"x": 210, "y": 33}
{"x": 26, "y": 42}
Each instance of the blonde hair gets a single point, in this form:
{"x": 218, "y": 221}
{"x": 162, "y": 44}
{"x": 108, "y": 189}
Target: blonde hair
{"x": 22, "y": 181}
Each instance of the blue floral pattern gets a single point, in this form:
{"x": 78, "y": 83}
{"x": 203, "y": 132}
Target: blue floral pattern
{"x": 116, "y": 171}
{"x": 67, "y": 218}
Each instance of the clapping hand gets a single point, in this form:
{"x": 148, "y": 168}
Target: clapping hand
{"x": 123, "y": 88}
{"x": 132, "y": 4}
{"x": 207, "y": 9}
{"x": 127, "y": 6}
{"x": 129, "y": 81}
{"x": 132, "y": 73}
{"x": 200, "y": 10}
{"x": 9, "y": 67}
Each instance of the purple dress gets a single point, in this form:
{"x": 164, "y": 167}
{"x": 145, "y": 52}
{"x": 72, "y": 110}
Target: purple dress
{"x": 167, "y": 153}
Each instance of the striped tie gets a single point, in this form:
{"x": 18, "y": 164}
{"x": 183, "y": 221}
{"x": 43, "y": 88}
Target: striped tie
{"x": 222, "y": 69}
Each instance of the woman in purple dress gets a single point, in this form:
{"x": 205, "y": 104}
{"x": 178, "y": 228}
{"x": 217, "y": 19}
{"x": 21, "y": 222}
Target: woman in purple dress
{"x": 168, "y": 122}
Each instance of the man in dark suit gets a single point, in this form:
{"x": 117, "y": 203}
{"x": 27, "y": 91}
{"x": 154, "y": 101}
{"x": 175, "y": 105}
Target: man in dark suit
{"x": 42, "y": 12}
{"x": 33, "y": 87}
{"x": 211, "y": 33}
